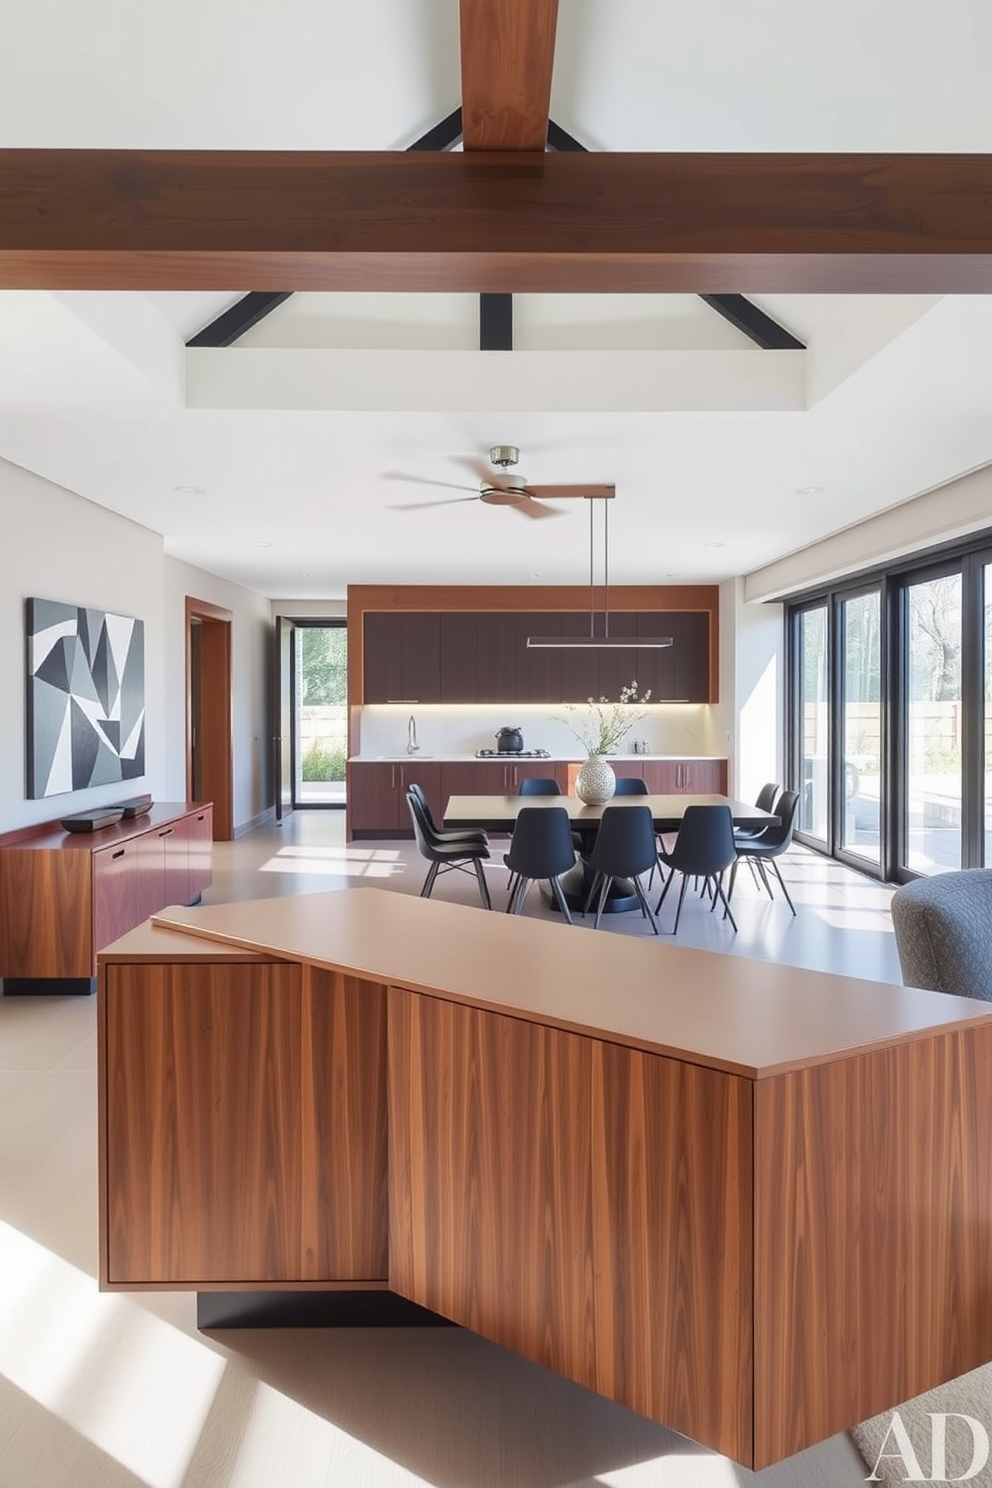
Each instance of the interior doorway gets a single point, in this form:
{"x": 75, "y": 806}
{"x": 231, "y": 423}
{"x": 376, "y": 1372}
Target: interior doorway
{"x": 209, "y": 738}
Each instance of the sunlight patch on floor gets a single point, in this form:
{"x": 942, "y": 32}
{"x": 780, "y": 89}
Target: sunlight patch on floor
{"x": 128, "y": 1382}
{"x": 685, "y": 1469}
{"x": 345, "y": 862}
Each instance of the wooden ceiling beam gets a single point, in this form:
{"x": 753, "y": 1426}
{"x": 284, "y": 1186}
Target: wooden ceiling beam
{"x": 507, "y": 55}
{"x": 495, "y": 222}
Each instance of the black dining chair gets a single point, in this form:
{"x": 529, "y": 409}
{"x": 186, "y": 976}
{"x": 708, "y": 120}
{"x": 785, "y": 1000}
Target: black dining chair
{"x": 625, "y": 846}
{"x": 765, "y": 801}
{"x": 538, "y": 785}
{"x": 772, "y": 843}
{"x": 704, "y": 848}
{"x": 541, "y": 847}
{"x": 446, "y": 834}
{"x": 631, "y": 785}
{"x": 444, "y": 856}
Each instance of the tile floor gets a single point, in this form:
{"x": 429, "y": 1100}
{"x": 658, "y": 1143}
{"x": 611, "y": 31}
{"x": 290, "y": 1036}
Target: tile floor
{"x": 117, "y": 1391}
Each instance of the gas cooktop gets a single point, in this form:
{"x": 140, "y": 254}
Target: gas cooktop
{"x": 512, "y": 754}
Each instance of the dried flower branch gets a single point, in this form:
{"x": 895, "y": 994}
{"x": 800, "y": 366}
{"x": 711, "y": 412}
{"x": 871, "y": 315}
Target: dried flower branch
{"x": 607, "y": 723}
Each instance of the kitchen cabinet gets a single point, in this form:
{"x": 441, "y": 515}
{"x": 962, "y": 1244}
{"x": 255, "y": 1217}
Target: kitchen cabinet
{"x": 377, "y": 795}
{"x": 483, "y": 657}
{"x": 689, "y": 777}
{"x": 402, "y": 657}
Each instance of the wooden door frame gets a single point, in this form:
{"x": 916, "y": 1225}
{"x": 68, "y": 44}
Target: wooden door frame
{"x": 217, "y": 718}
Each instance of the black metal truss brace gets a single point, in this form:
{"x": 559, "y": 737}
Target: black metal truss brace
{"x": 495, "y": 322}
{"x": 761, "y": 329}
{"x": 239, "y": 318}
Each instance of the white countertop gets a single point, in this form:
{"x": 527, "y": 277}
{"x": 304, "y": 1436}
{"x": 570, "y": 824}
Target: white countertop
{"x": 501, "y": 759}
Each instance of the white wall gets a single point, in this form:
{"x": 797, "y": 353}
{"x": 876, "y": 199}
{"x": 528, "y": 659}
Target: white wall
{"x": 57, "y": 546}
{"x": 251, "y": 648}
{"x": 752, "y": 691}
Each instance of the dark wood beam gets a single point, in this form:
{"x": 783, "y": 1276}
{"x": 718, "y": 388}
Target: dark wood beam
{"x": 500, "y": 222}
{"x": 759, "y": 327}
{"x": 507, "y": 52}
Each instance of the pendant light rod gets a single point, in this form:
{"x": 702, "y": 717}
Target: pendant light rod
{"x": 593, "y": 642}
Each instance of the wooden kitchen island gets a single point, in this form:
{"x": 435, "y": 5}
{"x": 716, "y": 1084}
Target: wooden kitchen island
{"x": 751, "y": 1202}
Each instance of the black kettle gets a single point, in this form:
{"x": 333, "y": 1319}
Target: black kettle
{"x": 509, "y": 741}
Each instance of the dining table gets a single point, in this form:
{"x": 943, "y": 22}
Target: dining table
{"x": 499, "y": 814}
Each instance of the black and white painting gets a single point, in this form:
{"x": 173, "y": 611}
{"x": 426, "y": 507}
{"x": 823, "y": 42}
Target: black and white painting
{"x": 86, "y": 697}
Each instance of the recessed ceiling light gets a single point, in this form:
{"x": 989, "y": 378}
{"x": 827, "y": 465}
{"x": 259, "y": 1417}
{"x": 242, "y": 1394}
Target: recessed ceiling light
{"x": 714, "y": 545}
{"x": 190, "y": 490}
{"x": 263, "y": 545}
{"x": 810, "y": 491}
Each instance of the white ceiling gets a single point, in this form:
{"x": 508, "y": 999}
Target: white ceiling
{"x": 301, "y": 443}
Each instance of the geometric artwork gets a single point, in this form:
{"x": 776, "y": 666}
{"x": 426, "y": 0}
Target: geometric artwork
{"x": 85, "y": 697}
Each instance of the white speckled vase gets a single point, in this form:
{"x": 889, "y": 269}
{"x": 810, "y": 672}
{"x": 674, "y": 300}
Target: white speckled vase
{"x": 595, "y": 782}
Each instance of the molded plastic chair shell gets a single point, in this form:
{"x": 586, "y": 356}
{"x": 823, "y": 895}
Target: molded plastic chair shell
{"x": 541, "y": 847}
{"x": 631, "y": 785}
{"x": 770, "y": 845}
{"x": 704, "y": 848}
{"x": 539, "y": 785}
{"x": 446, "y": 834}
{"x": 767, "y": 796}
{"x": 443, "y": 856}
{"x": 625, "y": 846}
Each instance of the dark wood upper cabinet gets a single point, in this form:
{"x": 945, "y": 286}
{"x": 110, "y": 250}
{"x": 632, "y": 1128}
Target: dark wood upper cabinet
{"x": 402, "y": 657}
{"x": 483, "y": 657}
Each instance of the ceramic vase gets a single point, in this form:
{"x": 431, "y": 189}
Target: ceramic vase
{"x": 595, "y": 782}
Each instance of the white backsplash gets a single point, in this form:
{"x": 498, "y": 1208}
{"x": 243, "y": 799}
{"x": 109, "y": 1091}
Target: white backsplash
{"x": 463, "y": 728}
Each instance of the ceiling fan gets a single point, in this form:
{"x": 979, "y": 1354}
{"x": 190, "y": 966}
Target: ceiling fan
{"x": 507, "y": 489}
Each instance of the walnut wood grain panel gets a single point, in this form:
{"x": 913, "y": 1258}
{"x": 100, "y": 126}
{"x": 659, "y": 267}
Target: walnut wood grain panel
{"x": 502, "y": 221}
{"x": 115, "y": 874}
{"x": 507, "y": 56}
{"x": 46, "y": 915}
{"x": 202, "y": 1161}
{"x": 873, "y": 1234}
{"x": 585, "y": 1205}
{"x": 345, "y": 1218}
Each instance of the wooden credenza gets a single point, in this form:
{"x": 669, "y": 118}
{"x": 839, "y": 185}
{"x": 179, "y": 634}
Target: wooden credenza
{"x": 65, "y": 895}
{"x": 746, "y": 1200}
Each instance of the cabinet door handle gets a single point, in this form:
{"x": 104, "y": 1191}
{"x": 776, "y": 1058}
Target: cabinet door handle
{"x": 515, "y": 780}
{"x": 168, "y": 832}
{"x": 118, "y": 854}
{"x": 392, "y": 777}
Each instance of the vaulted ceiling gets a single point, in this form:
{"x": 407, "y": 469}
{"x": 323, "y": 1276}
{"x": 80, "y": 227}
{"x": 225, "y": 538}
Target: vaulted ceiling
{"x": 310, "y": 453}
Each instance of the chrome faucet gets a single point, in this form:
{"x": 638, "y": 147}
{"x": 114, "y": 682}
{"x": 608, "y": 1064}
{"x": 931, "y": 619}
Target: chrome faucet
{"x": 411, "y": 736}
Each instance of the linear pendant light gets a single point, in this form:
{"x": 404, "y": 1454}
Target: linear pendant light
{"x": 603, "y": 642}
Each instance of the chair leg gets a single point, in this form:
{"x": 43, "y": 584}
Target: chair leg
{"x": 733, "y": 879}
{"x": 432, "y": 871}
{"x": 754, "y": 873}
{"x": 782, "y": 882}
{"x": 668, "y": 884}
{"x": 515, "y": 893}
{"x": 675, "y": 927}
{"x": 764, "y": 878}
{"x": 483, "y": 886}
{"x": 718, "y": 889}
{"x": 604, "y": 890}
{"x": 593, "y": 886}
{"x": 558, "y": 892}
{"x": 646, "y": 909}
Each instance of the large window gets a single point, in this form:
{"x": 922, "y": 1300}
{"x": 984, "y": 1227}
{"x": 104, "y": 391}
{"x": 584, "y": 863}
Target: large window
{"x": 932, "y": 720}
{"x": 861, "y": 723}
{"x": 890, "y": 715}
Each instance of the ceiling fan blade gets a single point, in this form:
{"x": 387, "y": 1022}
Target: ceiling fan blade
{"x": 423, "y": 505}
{"x": 528, "y": 507}
{"x": 562, "y": 493}
{"x": 423, "y": 480}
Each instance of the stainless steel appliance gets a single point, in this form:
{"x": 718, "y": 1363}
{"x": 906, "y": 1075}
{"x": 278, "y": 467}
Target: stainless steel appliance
{"x": 512, "y": 754}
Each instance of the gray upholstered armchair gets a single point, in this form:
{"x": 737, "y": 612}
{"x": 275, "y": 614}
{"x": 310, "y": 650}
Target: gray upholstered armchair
{"x": 943, "y": 931}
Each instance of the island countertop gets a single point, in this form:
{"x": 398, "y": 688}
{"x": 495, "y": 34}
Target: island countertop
{"x": 748, "y": 1017}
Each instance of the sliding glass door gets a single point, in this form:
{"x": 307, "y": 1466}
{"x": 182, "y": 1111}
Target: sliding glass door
{"x": 933, "y": 724}
{"x": 814, "y": 731}
{"x": 861, "y": 724}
